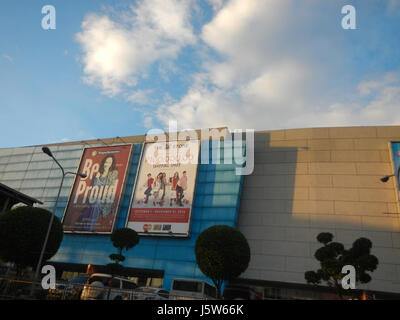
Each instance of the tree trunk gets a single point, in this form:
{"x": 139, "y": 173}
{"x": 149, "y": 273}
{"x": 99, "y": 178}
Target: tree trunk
{"x": 338, "y": 289}
{"x": 217, "y": 284}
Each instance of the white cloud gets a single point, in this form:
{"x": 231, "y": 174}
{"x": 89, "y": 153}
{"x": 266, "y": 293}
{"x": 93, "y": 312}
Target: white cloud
{"x": 264, "y": 64}
{"x": 274, "y": 84}
{"x": 140, "y": 97}
{"x": 116, "y": 51}
{"x": 216, "y": 4}
{"x": 202, "y": 107}
{"x": 7, "y": 57}
{"x": 385, "y": 105}
{"x": 242, "y": 23}
{"x": 370, "y": 86}
{"x": 277, "y": 71}
{"x": 148, "y": 122}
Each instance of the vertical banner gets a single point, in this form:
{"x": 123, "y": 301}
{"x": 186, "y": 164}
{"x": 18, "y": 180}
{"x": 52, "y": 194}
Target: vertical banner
{"x": 395, "y": 151}
{"x": 94, "y": 200}
{"x": 163, "y": 197}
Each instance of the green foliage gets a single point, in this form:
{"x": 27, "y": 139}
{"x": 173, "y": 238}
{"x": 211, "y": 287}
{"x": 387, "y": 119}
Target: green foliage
{"x": 337, "y": 247}
{"x": 312, "y": 277}
{"x": 324, "y": 253}
{"x": 325, "y": 237}
{"x": 333, "y": 256}
{"x": 362, "y": 246}
{"x": 124, "y": 238}
{"x": 117, "y": 257}
{"x": 222, "y": 253}
{"x": 22, "y": 234}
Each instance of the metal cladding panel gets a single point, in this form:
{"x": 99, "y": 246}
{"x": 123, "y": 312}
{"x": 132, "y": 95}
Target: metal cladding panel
{"x": 145, "y": 251}
{"x": 184, "y": 253}
{"x": 218, "y": 214}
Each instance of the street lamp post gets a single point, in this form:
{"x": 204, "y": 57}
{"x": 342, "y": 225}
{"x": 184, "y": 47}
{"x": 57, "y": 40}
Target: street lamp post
{"x": 47, "y": 151}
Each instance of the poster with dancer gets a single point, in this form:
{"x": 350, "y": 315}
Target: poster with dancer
{"x": 163, "y": 196}
{"x": 93, "y": 203}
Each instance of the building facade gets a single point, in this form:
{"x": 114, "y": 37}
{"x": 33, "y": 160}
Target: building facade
{"x": 305, "y": 181}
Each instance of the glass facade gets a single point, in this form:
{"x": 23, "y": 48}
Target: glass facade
{"x": 217, "y": 198}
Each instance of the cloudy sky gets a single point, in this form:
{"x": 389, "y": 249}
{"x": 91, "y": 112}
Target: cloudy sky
{"x": 117, "y": 68}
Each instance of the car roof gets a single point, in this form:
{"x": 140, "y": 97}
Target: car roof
{"x": 101, "y": 275}
{"x": 79, "y": 277}
{"x": 106, "y": 275}
{"x": 153, "y": 288}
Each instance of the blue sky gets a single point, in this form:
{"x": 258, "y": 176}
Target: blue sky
{"x": 118, "y": 68}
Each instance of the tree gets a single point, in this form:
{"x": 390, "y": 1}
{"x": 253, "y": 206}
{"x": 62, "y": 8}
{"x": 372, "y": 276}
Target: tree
{"x": 222, "y": 254}
{"x": 124, "y": 238}
{"x": 22, "y": 234}
{"x": 333, "y": 257}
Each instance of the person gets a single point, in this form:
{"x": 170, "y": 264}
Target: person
{"x": 106, "y": 176}
{"x": 148, "y": 185}
{"x": 174, "y": 193}
{"x": 181, "y": 187}
{"x": 164, "y": 184}
{"x": 157, "y": 184}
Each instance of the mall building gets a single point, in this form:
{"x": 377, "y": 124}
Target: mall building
{"x": 305, "y": 181}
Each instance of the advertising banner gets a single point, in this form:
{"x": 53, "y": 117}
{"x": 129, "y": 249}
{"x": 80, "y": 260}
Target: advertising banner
{"x": 94, "y": 200}
{"x": 163, "y": 197}
{"x": 395, "y": 150}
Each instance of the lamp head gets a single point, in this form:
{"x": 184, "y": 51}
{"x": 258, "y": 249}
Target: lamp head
{"x": 385, "y": 178}
{"x": 47, "y": 151}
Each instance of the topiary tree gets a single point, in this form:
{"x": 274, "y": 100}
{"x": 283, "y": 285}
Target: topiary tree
{"x": 124, "y": 238}
{"x": 333, "y": 256}
{"x": 22, "y": 234}
{"x": 222, "y": 254}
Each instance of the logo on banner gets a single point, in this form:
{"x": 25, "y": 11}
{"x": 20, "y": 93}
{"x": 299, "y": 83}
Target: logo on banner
{"x": 147, "y": 227}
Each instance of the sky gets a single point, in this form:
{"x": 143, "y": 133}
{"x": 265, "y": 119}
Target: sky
{"x": 120, "y": 68}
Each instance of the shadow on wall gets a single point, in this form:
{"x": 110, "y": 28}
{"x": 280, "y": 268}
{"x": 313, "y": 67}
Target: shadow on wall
{"x": 304, "y": 184}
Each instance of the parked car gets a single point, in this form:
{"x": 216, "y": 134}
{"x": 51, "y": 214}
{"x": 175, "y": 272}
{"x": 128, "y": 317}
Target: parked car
{"x": 101, "y": 286}
{"x": 236, "y": 292}
{"x": 151, "y": 293}
{"x": 192, "y": 289}
{"x": 74, "y": 287}
{"x": 58, "y": 291}
{"x": 68, "y": 290}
